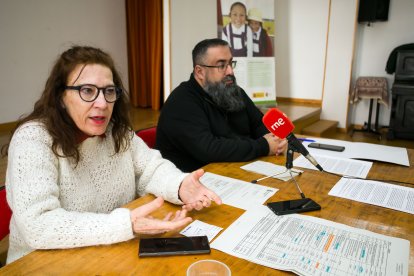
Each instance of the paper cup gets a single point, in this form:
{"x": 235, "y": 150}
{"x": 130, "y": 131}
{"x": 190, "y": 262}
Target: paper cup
{"x": 208, "y": 268}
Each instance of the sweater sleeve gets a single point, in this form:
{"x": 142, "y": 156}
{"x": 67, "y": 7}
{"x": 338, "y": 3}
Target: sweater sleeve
{"x": 154, "y": 174}
{"x": 33, "y": 195}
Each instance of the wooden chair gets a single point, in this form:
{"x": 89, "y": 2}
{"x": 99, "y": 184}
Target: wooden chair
{"x": 5, "y": 216}
{"x": 148, "y": 135}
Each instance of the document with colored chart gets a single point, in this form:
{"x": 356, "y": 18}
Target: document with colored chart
{"x": 308, "y": 245}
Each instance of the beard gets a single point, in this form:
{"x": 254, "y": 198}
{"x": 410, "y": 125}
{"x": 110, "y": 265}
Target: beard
{"x": 226, "y": 96}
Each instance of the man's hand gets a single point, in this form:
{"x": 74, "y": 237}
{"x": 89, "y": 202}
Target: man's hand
{"x": 277, "y": 146}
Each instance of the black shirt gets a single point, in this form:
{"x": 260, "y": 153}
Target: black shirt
{"x": 192, "y": 131}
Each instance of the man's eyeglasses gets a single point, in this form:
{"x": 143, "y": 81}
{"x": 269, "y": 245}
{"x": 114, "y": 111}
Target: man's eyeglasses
{"x": 222, "y": 67}
{"x": 89, "y": 92}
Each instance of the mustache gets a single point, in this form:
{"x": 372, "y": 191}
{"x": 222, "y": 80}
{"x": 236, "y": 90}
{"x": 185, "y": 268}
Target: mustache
{"x": 229, "y": 78}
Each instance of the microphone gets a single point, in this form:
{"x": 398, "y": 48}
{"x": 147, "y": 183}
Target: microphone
{"x": 280, "y": 125}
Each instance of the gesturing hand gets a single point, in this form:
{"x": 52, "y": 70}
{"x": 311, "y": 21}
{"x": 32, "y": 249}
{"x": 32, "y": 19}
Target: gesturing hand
{"x": 194, "y": 194}
{"x": 143, "y": 223}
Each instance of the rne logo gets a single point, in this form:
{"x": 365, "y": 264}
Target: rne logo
{"x": 278, "y": 123}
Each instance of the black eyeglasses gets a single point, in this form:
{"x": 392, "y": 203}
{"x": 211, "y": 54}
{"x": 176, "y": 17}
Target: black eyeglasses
{"x": 222, "y": 67}
{"x": 89, "y": 92}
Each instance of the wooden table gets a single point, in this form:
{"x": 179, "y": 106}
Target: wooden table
{"x": 122, "y": 258}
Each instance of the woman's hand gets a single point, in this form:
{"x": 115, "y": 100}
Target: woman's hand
{"x": 144, "y": 223}
{"x": 194, "y": 194}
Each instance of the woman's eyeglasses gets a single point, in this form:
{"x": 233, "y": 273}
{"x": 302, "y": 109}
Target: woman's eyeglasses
{"x": 89, "y": 92}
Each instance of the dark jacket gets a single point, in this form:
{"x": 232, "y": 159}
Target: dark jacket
{"x": 192, "y": 131}
{"x": 392, "y": 59}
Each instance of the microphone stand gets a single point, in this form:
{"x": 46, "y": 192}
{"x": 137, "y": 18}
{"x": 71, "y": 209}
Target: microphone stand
{"x": 296, "y": 205}
{"x": 289, "y": 166}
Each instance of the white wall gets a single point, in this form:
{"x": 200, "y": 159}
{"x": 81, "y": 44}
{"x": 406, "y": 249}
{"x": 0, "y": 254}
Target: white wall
{"x": 340, "y": 50}
{"x": 300, "y": 44}
{"x": 314, "y": 59}
{"x": 34, "y": 33}
{"x": 374, "y": 44}
{"x": 191, "y": 21}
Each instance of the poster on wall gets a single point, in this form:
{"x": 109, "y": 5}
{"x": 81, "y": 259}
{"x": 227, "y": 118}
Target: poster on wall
{"x": 248, "y": 26}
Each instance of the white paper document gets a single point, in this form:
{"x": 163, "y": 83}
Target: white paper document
{"x": 237, "y": 193}
{"x": 199, "y": 228}
{"x": 366, "y": 151}
{"x": 377, "y": 193}
{"x": 268, "y": 169}
{"x": 342, "y": 166}
{"x": 312, "y": 246}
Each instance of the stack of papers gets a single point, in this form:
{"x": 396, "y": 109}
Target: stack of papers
{"x": 312, "y": 246}
{"x": 365, "y": 151}
{"x": 342, "y": 166}
{"x": 377, "y": 193}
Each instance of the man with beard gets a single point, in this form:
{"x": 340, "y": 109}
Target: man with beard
{"x": 209, "y": 118}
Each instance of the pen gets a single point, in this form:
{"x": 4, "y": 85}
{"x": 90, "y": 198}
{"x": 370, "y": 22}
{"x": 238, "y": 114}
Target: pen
{"x": 306, "y": 140}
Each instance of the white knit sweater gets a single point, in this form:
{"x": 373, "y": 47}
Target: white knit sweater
{"x": 56, "y": 204}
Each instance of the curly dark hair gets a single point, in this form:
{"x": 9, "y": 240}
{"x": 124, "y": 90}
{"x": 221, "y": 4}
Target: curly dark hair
{"x": 50, "y": 111}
